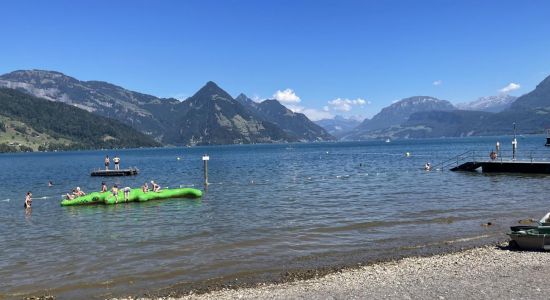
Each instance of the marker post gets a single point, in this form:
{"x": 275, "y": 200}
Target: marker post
{"x": 205, "y": 159}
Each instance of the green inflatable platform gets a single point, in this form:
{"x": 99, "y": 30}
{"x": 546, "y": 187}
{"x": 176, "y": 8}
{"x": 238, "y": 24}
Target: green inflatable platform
{"x": 136, "y": 195}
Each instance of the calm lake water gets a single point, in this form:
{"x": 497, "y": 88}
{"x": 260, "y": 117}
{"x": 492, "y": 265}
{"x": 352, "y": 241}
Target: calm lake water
{"x": 268, "y": 208}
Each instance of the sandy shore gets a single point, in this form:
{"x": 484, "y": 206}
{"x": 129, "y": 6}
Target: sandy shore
{"x": 482, "y": 273}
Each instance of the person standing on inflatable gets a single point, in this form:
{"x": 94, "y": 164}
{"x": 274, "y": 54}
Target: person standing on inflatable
{"x": 107, "y": 162}
{"x": 116, "y": 160}
{"x": 28, "y": 200}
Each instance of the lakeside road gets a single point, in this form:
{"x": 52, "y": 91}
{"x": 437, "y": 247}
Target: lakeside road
{"x": 482, "y": 273}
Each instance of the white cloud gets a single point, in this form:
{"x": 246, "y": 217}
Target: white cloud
{"x": 312, "y": 113}
{"x": 316, "y": 115}
{"x": 510, "y": 87}
{"x": 295, "y": 108}
{"x": 437, "y": 82}
{"x": 286, "y": 96}
{"x": 340, "y": 104}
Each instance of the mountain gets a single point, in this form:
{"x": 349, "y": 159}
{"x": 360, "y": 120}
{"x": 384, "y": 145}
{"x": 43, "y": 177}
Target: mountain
{"x": 296, "y": 125}
{"x": 489, "y": 104}
{"x": 339, "y": 126}
{"x": 433, "y": 124}
{"x": 30, "y": 123}
{"x": 397, "y": 114}
{"x": 537, "y": 99}
{"x": 102, "y": 98}
{"x": 211, "y": 116}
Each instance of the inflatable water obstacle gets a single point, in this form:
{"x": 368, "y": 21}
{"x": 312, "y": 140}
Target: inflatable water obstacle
{"x": 136, "y": 195}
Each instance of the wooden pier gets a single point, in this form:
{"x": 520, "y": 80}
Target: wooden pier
{"x": 121, "y": 172}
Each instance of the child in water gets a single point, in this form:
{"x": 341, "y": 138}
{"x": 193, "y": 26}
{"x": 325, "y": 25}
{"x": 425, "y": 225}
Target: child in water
{"x": 28, "y": 200}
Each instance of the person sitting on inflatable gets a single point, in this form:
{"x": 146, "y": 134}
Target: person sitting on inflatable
{"x": 145, "y": 188}
{"x": 156, "y": 187}
{"x": 71, "y": 196}
{"x": 78, "y": 192}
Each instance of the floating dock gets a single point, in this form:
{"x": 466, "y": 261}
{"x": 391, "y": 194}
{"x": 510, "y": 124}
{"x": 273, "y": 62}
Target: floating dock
{"x": 121, "y": 172}
{"x": 531, "y": 162}
{"x": 534, "y": 167}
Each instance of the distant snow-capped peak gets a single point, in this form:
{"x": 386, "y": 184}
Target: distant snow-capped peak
{"x": 489, "y": 104}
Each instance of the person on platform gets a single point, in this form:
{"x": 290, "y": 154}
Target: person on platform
{"x": 107, "y": 162}
{"x": 493, "y": 155}
{"x": 116, "y": 160}
{"x": 28, "y": 200}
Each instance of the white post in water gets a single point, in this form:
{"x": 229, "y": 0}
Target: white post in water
{"x": 514, "y": 144}
{"x": 205, "y": 159}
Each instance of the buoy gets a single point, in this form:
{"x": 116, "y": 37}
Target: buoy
{"x": 407, "y": 154}
{"x": 178, "y": 158}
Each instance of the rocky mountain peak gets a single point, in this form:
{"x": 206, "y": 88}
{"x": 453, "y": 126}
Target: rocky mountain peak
{"x": 211, "y": 91}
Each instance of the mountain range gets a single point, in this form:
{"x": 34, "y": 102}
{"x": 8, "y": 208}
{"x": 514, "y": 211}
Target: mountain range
{"x": 530, "y": 112}
{"x": 338, "y": 126}
{"x": 211, "y": 116}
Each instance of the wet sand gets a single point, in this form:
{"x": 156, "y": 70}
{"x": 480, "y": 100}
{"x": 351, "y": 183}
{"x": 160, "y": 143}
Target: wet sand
{"x": 486, "y": 272}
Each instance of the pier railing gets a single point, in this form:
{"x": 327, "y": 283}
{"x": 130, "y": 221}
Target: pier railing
{"x": 501, "y": 156}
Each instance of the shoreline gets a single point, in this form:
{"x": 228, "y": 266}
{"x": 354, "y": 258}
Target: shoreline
{"x": 483, "y": 272}
{"x": 255, "y": 280}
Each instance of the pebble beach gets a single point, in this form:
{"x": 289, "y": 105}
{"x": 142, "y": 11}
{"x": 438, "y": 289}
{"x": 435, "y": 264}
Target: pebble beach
{"x": 486, "y": 272}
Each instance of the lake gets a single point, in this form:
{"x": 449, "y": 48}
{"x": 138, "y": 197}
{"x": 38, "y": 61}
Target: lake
{"x": 268, "y": 209}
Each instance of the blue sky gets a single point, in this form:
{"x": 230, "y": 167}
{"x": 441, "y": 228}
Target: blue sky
{"x": 365, "y": 53}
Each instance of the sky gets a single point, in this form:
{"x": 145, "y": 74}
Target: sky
{"x": 323, "y": 58}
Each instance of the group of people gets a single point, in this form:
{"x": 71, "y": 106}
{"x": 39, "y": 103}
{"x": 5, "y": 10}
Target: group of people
{"x": 77, "y": 192}
{"x": 116, "y": 161}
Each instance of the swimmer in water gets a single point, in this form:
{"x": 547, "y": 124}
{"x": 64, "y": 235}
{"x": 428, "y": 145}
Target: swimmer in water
{"x": 28, "y": 200}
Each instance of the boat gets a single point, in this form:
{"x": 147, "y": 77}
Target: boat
{"x": 136, "y": 195}
{"x": 532, "y": 237}
{"x": 388, "y": 140}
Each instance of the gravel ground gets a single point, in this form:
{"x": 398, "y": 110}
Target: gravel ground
{"x": 482, "y": 273}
